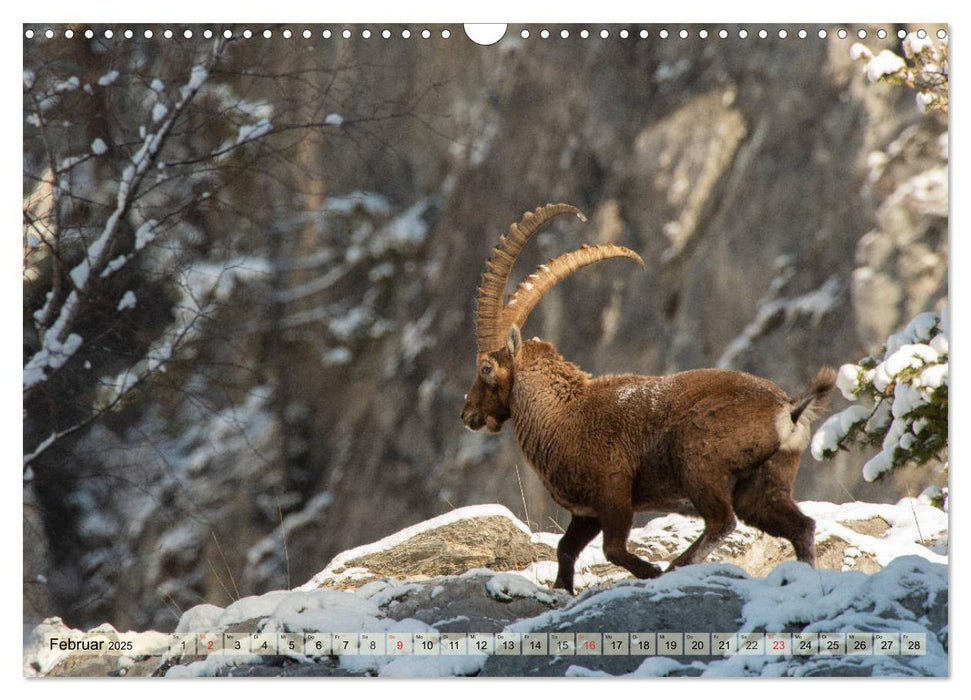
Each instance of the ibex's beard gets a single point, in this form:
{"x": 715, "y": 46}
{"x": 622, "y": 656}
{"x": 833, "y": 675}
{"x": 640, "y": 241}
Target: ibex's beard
{"x": 475, "y": 421}
{"x": 472, "y": 419}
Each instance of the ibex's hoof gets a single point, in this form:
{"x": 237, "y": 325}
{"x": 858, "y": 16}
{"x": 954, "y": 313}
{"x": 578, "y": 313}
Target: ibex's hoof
{"x": 649, "y": 571}
{"x": 568, "y": 587}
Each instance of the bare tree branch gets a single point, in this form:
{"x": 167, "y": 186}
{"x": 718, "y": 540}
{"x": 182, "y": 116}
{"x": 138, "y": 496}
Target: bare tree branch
{"x": 59, "y": 342}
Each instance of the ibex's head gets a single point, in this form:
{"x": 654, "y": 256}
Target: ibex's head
{"x": 487, "y": 402}
{"x": 497, "y": 325}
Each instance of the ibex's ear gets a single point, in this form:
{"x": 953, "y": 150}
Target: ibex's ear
{"x": 514, "y": 341}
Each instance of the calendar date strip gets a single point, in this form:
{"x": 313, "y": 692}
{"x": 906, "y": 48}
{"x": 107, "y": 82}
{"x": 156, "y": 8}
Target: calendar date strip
{"x": 317, "y": 644}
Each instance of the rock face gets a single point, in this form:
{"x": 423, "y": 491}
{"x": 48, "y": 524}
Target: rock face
{"x": 318, "y": 408}
{"x": 906, "y": 591}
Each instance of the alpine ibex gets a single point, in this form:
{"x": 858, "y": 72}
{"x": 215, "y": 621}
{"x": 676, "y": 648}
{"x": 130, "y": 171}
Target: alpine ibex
{"x": 716, "y": 442}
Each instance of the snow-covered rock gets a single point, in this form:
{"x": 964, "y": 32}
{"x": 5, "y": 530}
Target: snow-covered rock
{"x": 909, "y": 595}
{"x": 883, "y": 568}
{"x": 487, "y": 536}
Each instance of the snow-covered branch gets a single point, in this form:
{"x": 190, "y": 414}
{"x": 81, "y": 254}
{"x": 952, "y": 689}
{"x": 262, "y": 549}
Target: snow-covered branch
{"x": 56, "y": 323}
{"x": 907, "y": 392}
{"x": 923, "y": 67}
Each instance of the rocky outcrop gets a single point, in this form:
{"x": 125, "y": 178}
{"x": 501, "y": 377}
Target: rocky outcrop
{"x": 449, "y": 545}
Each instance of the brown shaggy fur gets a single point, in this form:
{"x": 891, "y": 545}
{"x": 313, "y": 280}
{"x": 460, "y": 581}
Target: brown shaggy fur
{"x": 721, "y": 443}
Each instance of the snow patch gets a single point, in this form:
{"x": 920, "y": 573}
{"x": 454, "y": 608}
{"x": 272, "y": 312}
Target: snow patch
{"x": 505, "y": 587}
{"x": 884, "y": 63}
{"x": 69, "y": 85}
{"x": 848, "y": 381}
{"x": 108, "y": 78}
{"x": 127, "y": 301}
{"x": 251, "y": 132}
{"x": 337, "y": 356}
{"x": 145, "y": 234}
{"x": 197, "y": 77}
{"x": 159, "y": 110}
{"x": 826, "y": 440}
{"x": 914, "y": 44}
{"x": 51, "y": 357}
{"x": 403, "y": 233}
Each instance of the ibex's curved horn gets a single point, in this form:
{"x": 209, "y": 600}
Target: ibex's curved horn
{"x": 490, "y": 330}
{"x": 532, "y": 289}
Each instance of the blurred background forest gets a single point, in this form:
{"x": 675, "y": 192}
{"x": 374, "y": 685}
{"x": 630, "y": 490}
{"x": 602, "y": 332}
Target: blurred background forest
{"x": 250, "y": 268}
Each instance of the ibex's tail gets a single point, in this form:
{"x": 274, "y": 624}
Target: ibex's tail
{"x": 808, "y": 405}
{"x": 793, "y": 427}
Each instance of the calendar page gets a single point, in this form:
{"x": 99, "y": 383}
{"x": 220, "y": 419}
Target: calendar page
{"x": 542, "y": 349}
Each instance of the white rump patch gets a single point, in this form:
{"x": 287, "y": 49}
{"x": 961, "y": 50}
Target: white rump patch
{"x": 793, "y": 437}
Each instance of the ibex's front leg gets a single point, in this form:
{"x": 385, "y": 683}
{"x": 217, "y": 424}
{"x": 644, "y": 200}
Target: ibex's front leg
{"x": 578, "y": 535}
{"x": 615, "y": 519}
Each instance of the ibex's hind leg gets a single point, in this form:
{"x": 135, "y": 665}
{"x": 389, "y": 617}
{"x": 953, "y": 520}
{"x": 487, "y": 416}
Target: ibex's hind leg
{"x": 711, "y": 501}
{"x": 578, "y": 535}
{"x": 764, "y": 500}
{"x": 616, "y": 519}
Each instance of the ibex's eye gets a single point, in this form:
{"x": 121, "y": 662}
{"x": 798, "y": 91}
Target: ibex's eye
{"x": 486, "y": 370}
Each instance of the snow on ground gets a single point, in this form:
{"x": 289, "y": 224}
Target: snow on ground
{"x": 911, "y": 522}
{"x": 40, "y": 658}
{"x": 793, "y": 592}
{"x": 505, "y": 587}
{"x": 905, "y": 596}
{"x": 793, "y": 597}
{"x": 316, "y": 610}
